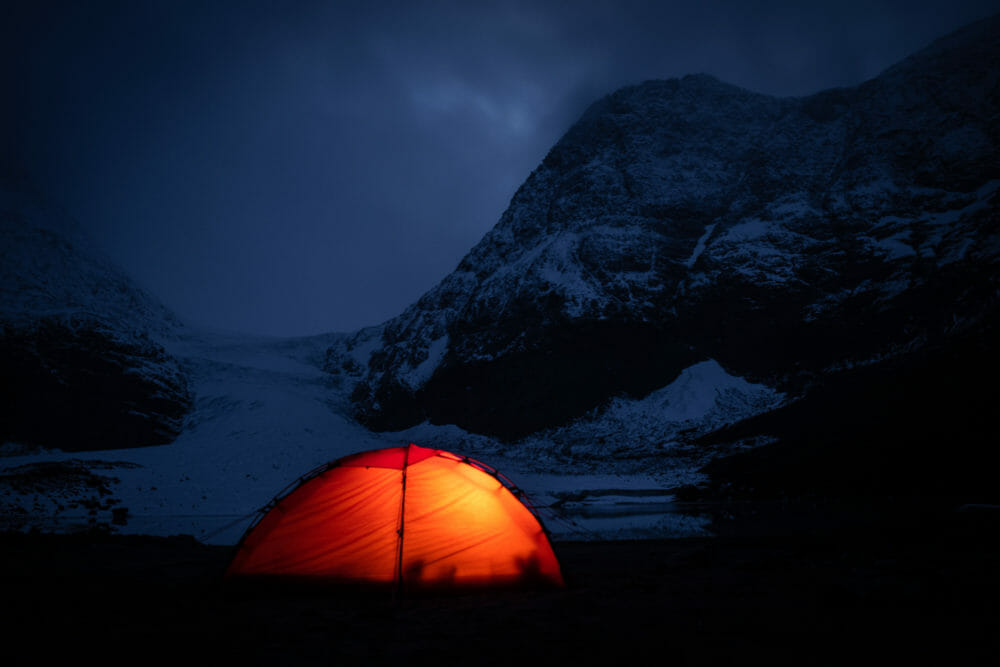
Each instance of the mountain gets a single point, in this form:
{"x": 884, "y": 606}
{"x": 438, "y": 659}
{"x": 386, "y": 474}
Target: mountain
{"x": 82, "y": 365}
{"x": 702, "y": 292}
{"x": 791, "y": 241}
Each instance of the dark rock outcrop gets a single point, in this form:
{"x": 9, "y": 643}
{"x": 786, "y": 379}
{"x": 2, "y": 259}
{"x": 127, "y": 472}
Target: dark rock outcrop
{"x": 82, "y": 365}
{"x": 78, "y": 386}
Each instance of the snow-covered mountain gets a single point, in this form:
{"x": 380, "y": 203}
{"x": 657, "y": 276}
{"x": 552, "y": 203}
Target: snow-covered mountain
{"x": 681, "y": 221}
{"x": 82, "y": 365}
{"x": 699, "y": 285}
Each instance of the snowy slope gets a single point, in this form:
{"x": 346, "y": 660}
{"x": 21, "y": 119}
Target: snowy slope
{"x": 50, "y": 269}
{"x": 658, "y": 431}
{"x": 261, "y": 419}
{"x": 266, "y": 413}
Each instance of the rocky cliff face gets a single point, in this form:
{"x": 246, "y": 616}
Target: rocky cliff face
{"x": 80, "y": 362}
{"x": 684, "y": 220}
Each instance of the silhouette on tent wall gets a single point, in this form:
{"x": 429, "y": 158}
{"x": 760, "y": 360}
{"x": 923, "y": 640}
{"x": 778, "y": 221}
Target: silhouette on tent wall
{"x": 409, "y": 517}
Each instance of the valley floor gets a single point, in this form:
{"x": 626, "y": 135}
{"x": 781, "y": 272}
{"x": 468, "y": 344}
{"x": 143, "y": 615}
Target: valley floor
{"x": 266, "y": 413}
{"x": 919, "y": 590}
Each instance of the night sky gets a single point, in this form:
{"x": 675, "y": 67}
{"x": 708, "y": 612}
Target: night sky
{"x": 300, "y": 167}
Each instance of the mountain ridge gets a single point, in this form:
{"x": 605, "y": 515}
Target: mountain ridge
{"x": 826, "y": 230}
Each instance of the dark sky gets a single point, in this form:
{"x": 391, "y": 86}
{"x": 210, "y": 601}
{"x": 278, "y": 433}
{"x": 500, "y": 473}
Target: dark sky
{"x": 300, "y": 167}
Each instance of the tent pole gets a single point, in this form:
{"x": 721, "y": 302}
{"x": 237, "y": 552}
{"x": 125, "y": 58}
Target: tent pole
{"x": 402, "y": 511}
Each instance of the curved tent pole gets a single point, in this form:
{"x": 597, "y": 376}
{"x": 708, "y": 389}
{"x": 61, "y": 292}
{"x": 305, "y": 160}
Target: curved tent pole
{"x": 402, "y": 517}
{"x": 284, "y": 493}
{"x": 515, "y": 490}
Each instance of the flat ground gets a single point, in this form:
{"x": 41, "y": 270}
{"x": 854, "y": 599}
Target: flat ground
{"x": 921, "y": 591}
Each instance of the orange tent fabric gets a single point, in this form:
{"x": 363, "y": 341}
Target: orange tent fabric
{"x": 410, "y": 517}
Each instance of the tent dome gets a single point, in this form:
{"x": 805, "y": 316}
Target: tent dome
{"x": 407, "y": 517}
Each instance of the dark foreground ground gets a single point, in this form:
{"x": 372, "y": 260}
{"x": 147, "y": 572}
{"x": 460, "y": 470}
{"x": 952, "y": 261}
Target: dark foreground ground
{"x": 920, "y": 590}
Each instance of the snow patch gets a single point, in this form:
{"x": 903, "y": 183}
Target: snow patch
{"x": 895, "y": 247}
{"x": 697, "y": 392}
{"x": 700, "y": 245}
{"x": 657, "y": 432}
{"x": 753, "y": 228}
{"x": 419, "y": 376}
{"x": 793, "y": 207}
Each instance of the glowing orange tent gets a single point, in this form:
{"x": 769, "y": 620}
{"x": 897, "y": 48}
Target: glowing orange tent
{"x": 409, "y": 517}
